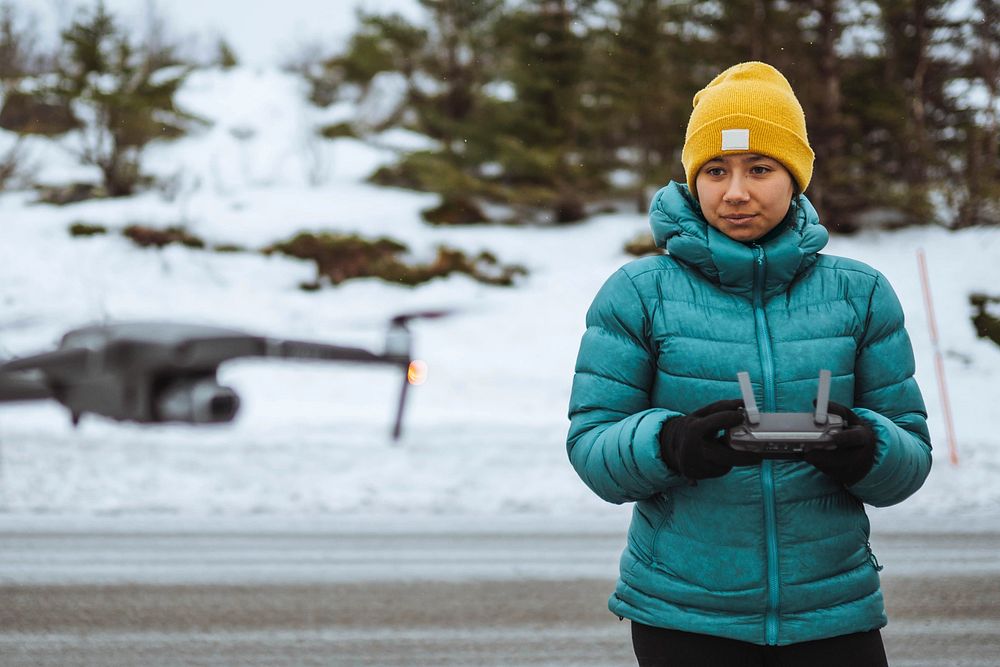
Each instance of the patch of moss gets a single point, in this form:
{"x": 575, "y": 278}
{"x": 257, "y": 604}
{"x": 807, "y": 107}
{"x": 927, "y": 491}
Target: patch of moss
{"x": 27, "y": 113}
{"x": 340, "y": 257}
{"x": 455, "y": 211}
{"x": 987, "y": 324}
{"x": 61, "y": 195}
{"x": 484, "y": 267}
{"x": 428, "y": 172}
{"x": 86, "y": 229}
{"x": 338, "y": 131}
{"x": 228, "y": 248}
{"x": 145, "y": 237}
{"x": 643, "y": 245}
{"x": 405, "y": 174}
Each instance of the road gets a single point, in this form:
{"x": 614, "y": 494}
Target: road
{"x": 388, "y": 593}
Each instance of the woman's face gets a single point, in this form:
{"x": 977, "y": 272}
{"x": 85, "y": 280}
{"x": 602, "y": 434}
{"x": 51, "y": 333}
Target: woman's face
{"x": 744, "y": 195}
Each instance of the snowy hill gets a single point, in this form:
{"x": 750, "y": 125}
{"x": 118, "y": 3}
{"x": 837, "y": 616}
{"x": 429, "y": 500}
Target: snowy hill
{"x": 484, "y": 435}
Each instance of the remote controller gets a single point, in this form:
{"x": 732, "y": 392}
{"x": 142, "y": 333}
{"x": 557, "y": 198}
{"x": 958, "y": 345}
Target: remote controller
{"x": 784, "y": 435}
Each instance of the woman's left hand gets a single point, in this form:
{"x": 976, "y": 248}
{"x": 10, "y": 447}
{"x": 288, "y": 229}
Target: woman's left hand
{"x": 855, "y": 452}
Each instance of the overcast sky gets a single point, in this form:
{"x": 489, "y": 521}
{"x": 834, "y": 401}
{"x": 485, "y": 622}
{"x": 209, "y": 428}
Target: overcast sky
{"x": 261, "y": 31}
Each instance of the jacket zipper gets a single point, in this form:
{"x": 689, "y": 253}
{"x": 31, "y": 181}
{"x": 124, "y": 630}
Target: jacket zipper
{"x": 767, "y": 466}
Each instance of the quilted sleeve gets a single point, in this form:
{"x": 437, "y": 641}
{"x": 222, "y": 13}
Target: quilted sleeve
{"x": 613, "y": 440}
{"x": 887, "y": 396}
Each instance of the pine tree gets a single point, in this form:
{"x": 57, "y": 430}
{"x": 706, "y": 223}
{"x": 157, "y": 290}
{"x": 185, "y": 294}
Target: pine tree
{"x": 458, "y": 56}
{"x": 922, "y": 111}
{"x": 739, "y": 30}
{"x": 527, "y": 147}
{"x": 20, "y": 112}
{"x": 541, "y": 103}
{"x": 382, "y": 43}
{"x": 225, "y": 57}
{"x": 544, "y": 142}
{"x": 643, "y": 88}
{"x": 820, "y": 73}
{"x": 17, "y": 55}
{"x": 979, "y": 200}
{"x": 123, "y": 102}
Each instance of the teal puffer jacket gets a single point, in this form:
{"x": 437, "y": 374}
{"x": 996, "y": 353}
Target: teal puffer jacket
{"x": 771, "y": 554}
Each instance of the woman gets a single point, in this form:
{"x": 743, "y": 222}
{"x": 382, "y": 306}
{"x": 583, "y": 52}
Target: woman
{"x": 733, "y": 559}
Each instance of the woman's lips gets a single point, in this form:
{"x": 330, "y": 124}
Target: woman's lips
{"x": 739, "y": 218}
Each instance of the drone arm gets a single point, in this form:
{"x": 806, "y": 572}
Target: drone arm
{"x": 23, "y": 387}
{"x": 292, "y": 349}
{"x": 397, "y": 426}
{"x": 26, "y": 379}
{"x": 72, "y": 360}
{"x": 397, "y": 354}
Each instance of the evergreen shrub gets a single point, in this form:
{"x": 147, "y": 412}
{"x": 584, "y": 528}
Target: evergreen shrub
{"x": 36, "y": 114}
{"x": 145, "y": 237}
{"x": 340, "y": 257}
{"x": 86, "y": 229}
{"x": 338, "y": 131}
{"x": 643, "y": 244}
{"x": 987, "y": 323}
{"x": 455, "y": 210}
{"x": 228, "y": 248}
{"x": 73, "y": 193}
{"x": 127, "y": 90}
{"x": 422, "y": 170}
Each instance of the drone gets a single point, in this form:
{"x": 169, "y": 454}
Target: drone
{"x": 161, "y": 372}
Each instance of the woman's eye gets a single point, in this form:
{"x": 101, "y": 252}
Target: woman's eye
{"x": 759, "y": 169}
{"x": 714, "y": 171}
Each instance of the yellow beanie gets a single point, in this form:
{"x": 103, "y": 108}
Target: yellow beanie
{"x": 749, "y": 108}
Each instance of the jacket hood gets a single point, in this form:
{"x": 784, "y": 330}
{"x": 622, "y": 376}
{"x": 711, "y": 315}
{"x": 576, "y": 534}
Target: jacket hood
{"x": 679, "y": 226}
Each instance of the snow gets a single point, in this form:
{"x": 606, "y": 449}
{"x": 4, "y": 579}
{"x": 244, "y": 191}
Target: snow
{"x": 504, "y": 91}
{"x": 484, "y": 434}
{"x": 261, "y": 33}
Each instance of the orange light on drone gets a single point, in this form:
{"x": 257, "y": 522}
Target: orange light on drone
{"x": 417, "y": 372}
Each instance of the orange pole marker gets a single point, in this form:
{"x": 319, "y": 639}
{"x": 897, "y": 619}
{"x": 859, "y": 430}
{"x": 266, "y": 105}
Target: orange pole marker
{"x": 925, "y": 283}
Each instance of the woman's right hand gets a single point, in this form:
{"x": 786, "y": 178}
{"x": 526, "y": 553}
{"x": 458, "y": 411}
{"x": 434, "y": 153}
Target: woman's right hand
{"x": 691, "y": 444}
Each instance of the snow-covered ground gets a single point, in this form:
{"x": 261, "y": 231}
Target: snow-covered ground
{"x": 485, "y": 434}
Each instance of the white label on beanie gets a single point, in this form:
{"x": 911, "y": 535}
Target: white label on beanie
{"x": 736, "y": 140}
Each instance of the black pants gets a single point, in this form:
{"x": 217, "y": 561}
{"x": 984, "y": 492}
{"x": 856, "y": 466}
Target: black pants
{"x": 658, "y": 647}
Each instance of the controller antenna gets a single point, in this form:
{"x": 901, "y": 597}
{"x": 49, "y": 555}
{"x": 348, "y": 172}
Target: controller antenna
{"x": 822, "y": 398}
{"x": 749, "y": 402}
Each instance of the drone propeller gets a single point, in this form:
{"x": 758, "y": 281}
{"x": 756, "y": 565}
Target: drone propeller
{"x": 404, "y": 318}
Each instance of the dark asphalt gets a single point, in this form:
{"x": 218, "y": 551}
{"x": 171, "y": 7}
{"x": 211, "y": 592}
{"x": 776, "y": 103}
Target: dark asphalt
{"x": 275, "y": 597}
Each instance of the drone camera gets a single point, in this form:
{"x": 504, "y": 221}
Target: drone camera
{"x": 197, "y": 400}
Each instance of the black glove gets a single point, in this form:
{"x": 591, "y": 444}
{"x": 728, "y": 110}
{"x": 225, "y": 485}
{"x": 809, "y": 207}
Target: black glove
{"x": 690, "y": 444}
{"x": 855, "y": 452}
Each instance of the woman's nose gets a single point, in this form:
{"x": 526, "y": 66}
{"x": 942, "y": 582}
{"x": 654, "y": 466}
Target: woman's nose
{"x": 736, "y": 192}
